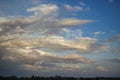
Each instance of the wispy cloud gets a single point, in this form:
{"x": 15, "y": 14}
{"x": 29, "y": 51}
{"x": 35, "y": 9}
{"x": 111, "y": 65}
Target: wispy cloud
{"x": 115, "y": 38}
{"x": 115, "y": 60}
{"x": 98, "y": 33}
{"x": 110, "y": 1}
{"x": 35, "y": 59}
{"x": 101, "y": 68}
{"x": 82, "y": 3}
{"x": 43, "y": 20}
{"x": 81, "y": 7}
{"x": 73, "y": 8}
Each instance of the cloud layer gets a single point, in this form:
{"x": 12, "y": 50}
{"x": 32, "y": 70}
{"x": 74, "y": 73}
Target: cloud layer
{"x": 45, "y": 42}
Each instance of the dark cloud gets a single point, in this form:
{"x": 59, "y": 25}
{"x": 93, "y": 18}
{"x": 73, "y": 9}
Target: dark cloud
{"x": 115, "y": 60}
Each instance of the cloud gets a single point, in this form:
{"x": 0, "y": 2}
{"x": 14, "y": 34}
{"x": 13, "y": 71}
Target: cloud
{"x": 99, "y": 47}
{"x": 82, "y": 3}
{"x": 115, "y": 60}
{"x": 57, "y": 43}
{"x": 44, "y": 20}
{"x": 98, "y": 33}
{"x": 14, "y": 25}
{"x": 33, "y": 42}
{"x": 114, "y": 50}
{"x": 101, "y": 68}
{"x": 50, "y": 67}
{"x": 115, "y": 38}
{"x": 73, "y": 22}
{"x": 3, "y": 19}
{"x": 82, "y": 7}
{"x": 110, "y": 1}
{"x": 35, "y": 59}
{"x": 44, "y": 9}
{"x": 73, "y": 8}
{"x": 35, "y": 54}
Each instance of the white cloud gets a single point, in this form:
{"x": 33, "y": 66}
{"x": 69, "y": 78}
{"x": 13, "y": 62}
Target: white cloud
{"x": 82, "y": 3}
{"x": 101, "y": 68}
{"x": 98, "y": 33}
{"x": 57, "y": 43}
{"x": 43, "y": 25}
{"x": 44, "y": 21}
{"x": 3, "y": 19}
{"x": 73, "y": 8}
{"x": 33, "y": 41}
{"x": 37, "y": 55}
{"x": 44, "y": 9}
{"x": 81, "y": 7}
{"x": 73, "y": 22}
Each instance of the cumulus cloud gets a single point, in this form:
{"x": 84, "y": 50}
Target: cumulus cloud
{"x": 43, "y": 9}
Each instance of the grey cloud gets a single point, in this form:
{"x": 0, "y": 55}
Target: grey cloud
{"x": 98, "y": 47}
{"x": 23, "y": 56}
{"x": 101, "y": 68}
{"x": 116, "y": 60}
{"x": 34, "y": 59}
{"x": 115, "y": 50}
{"x": 113, "y": 39}
{"x": 14, "y": 25}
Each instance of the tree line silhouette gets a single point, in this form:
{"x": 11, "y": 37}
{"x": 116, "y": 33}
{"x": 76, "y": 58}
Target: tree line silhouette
{"x": 55, "y": 78}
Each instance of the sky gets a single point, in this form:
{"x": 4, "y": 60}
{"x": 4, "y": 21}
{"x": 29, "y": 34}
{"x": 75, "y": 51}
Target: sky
{"x": 60, "y": 37}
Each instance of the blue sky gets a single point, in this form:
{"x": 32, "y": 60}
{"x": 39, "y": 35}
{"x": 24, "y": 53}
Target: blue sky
{"x": 60, "y": 37}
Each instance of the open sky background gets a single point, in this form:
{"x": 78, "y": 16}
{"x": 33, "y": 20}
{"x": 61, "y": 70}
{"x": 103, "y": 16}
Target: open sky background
{"x": 60, "y": 37}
